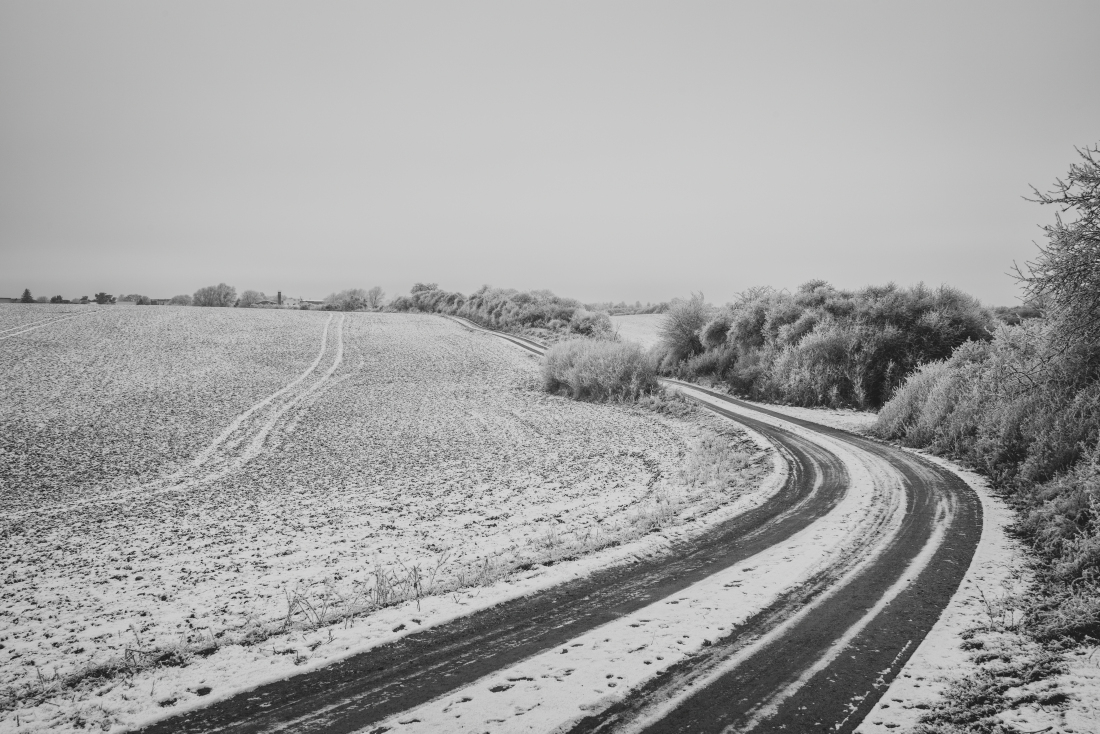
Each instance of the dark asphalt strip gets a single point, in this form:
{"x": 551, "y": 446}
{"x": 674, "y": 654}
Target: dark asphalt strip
{"x": 838, "y": 697}
{"x": 371, "y": 686}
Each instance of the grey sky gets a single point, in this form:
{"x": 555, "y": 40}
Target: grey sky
{"x": 604, "y": 150}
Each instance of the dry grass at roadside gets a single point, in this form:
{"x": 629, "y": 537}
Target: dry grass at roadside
{"x": 1012, "y": 671}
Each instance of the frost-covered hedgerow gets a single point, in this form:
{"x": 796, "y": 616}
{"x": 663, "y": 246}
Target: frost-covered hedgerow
{"x": 820, "y": 346}
{"x": 540, "y": 313}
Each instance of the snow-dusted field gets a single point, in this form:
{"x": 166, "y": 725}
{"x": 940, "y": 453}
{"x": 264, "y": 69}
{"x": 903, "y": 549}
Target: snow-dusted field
{"x": 114, "y": 397}
{"x": 177, "y": 480}
{"x": 640, "y": 328}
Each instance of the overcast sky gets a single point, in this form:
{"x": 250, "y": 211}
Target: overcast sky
{"x": 603, "y": 150}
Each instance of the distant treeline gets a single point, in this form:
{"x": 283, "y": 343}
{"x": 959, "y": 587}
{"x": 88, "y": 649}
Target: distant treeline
{"x": 509, "y": 310}
{"x": 225, "y": 296}
{"x": 819, "y": 346}
{"x": 622, "y": 308}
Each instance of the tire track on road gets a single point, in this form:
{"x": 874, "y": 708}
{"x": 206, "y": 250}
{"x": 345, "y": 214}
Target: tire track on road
{"x": 800, "y": 681}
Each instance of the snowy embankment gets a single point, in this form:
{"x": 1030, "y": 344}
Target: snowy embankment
{"x": 248, "y": 480}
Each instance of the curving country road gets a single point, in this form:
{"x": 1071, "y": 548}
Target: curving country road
{"x": 815, "y": 657}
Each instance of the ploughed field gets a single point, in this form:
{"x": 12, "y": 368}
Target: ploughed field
{"x": 180, "y": 479}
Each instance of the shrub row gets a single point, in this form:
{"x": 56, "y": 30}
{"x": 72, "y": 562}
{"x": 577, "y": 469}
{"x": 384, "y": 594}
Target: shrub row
{"x": 820, "y": 345}
{"x": 1029, "y": 417}
{"x": 541, "y": 312}
{"x": 622, "y": 308}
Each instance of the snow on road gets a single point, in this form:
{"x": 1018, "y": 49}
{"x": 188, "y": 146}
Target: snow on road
{"x": 846, "y": 419}
{"x": 997, "y": 571}
{"x": 553, "y": 690}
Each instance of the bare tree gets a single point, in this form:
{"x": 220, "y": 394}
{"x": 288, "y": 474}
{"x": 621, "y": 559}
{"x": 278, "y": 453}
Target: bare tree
{"x": 220, "y": 295}
{"x": 182, "y": 300}
{"x": 1066, "y": 274}
{"x": 375, "y": 297}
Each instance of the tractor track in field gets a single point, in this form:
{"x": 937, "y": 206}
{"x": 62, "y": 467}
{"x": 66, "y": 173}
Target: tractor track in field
{"x": 244, "y": 438}
{"x": 32, "y": 326}
{"x": 817, "y": 657}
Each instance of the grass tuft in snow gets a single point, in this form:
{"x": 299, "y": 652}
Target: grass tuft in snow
{"x": 1013, "y": 671}
{"x": 1010, "y": 677}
